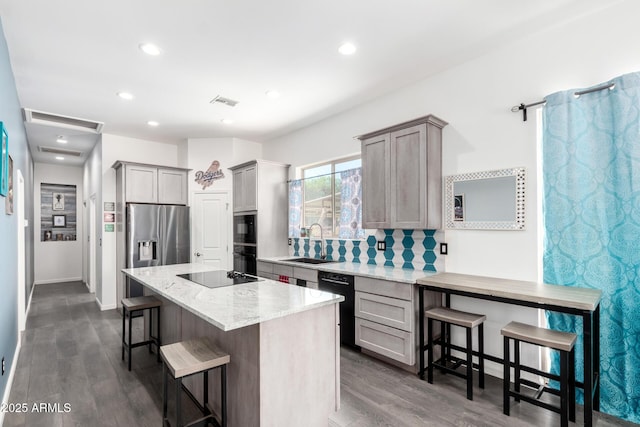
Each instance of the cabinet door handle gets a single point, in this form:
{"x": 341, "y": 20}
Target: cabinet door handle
{"x": 197, "y": 254}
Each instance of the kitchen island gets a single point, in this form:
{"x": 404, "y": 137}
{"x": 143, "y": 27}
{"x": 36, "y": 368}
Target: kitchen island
{"x": 283, "y": 340}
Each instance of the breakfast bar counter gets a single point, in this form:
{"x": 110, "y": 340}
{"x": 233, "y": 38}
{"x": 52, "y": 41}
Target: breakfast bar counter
{"x": 283, "y": 341}
{"x": 582, "y": 302}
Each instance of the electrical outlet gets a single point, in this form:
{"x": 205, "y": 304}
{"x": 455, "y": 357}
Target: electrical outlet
{"x": 444, "y": 248}
{"x": 3, "y": 365}
{"x": 289, "y": 241}
{"x": 382, "y": 245}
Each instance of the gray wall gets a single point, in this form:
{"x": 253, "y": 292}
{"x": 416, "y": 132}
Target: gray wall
{"x": 11, "y": 116}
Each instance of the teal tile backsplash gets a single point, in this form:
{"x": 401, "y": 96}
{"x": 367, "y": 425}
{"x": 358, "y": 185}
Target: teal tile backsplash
{"x": 411, "y": 249}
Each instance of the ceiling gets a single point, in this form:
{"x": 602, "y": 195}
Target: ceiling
{"x": 71, "y": 58}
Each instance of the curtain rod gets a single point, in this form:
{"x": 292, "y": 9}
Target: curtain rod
{"x": 324, "y": 174}
{"x": 523, "y": 107}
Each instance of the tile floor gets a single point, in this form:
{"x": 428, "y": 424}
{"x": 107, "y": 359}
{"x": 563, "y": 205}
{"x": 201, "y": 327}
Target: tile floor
{"x": 71, "y": 355}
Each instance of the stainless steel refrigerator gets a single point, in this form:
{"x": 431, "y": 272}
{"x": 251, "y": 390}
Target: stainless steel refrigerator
{"x": 156, "y": 235}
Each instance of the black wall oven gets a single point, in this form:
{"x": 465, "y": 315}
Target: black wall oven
{"x": 244, "y": 259}
{"x": 244, "y": 229}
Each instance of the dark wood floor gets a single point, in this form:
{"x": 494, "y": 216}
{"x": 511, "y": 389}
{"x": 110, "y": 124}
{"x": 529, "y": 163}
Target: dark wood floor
{"x": 71, "y": 354}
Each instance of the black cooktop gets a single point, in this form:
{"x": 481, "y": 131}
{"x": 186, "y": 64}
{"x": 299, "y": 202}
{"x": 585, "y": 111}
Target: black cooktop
{"x": 219, "y": 278}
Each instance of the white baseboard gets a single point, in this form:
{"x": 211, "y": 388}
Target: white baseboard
{"x": 106, "y": 306}
{"x": 51, "y": 281}
{"x": 7, "y": 390}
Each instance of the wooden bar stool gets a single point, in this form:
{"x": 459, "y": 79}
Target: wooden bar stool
{"x": 562, "y": 342}
{"x": 131, "y": 306}
{"x": 447, "y": 316}
{"x": 192, "y": 357}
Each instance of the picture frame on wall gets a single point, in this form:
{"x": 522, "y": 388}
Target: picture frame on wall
{"x": 9, "y": 199}
{"x": 4, "y": 161}
{"x": 458, "y": 207}
{"x": 58, "y": 202}
{"x": 59, "y": 221}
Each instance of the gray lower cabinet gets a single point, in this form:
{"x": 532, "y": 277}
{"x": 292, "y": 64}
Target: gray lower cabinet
{"x": 386, "y": 318}
{"x": 274, "y": 271}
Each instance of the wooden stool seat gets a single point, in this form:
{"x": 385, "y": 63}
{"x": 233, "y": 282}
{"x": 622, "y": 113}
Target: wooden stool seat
{"x": 447, "y": 317}
{"x": 141, "y": 303}
{"x": 460, "y": 318}
{"x": 189, "y": 358}
{"x": 131, "y": 306}
{"x": 556, "y": 340}
{"x": 563, "y": 342}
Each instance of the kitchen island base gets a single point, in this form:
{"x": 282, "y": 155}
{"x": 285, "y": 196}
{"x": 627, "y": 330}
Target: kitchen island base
{"x": 283, "y": 372}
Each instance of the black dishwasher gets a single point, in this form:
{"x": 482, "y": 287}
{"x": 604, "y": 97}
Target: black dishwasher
{"x": 342, "y": 284}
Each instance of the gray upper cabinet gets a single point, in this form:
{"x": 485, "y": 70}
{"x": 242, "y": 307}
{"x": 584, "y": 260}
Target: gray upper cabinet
{"x": 402, "y": 175}
{"x": 152, "y": 184}
{"x": 172, "y": 186}
{"x": 245, "y": 188}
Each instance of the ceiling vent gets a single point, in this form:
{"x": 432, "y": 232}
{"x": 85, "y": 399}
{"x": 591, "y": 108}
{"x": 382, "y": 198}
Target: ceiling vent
{"x": 53, "y": 150}
{"x": 222, "y": 100}
{"x": 49, "y": 119}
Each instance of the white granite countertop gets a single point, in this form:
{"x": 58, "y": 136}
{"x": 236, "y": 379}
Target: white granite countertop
{"x": 394, "y": 274}
{"x": 230, "y": 307}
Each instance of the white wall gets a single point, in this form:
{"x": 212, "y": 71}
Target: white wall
{"x": 483, "y": 134}
{"x": 92, "y": 174}
{"x": 58, "y": 261}
{"x": 228, "y": 151}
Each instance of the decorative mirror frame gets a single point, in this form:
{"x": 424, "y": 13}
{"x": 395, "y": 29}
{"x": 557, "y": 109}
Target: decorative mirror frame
{"x": 517, "y": 224}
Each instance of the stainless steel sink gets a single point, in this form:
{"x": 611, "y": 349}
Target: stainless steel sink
{"x": 309, "y": 260}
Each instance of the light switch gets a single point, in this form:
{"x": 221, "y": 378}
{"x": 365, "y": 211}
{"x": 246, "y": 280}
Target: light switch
{"x": 444, "y": 248}
{"x": 382, "y": 245}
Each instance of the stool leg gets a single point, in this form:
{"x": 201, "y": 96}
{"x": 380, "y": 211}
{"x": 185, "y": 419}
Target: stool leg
{"x": 572, "y": 386}
{"x": 444, "y": 355}
{"x": 223, "y": 376}
{"x": 205, "y": 398}
{"x": 481, "y": 354}
{"x": 505, "y": 375}
{"x": 130, "y": 339}
{"x": 469, "y": 364}
{"x": 124, "y": 314}
{"x": 150, "y": 345}
{"x": 516, "y": 369}
{"x": 178, "y": 402}
{"x": 430, "y": 350}
{"x": 164, "y": 392}
{"x": 158, "y": 342}
{"x": 564, "y": 382}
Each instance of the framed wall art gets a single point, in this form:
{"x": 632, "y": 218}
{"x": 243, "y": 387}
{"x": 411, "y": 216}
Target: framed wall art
{"x": 4, "y": 161}
{"x": 9, "y": 199}
{"x": 59, "y": 220}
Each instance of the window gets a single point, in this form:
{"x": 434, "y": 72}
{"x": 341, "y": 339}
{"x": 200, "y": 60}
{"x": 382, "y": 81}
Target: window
{"x": 322, "y": 195}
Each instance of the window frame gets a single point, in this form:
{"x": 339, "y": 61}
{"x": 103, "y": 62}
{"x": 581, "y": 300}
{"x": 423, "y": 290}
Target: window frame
{"x": 333, "y": 188}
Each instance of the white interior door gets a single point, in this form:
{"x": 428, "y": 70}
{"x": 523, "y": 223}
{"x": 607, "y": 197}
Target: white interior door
{"x": 211, "y": 229}
{"x": 22, "y": 223}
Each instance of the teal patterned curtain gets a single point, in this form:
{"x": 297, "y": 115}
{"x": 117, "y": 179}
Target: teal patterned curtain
{"x": 351, "y": 204}
{"x": 591, "y": 213}
{"x": 295, "y": 207}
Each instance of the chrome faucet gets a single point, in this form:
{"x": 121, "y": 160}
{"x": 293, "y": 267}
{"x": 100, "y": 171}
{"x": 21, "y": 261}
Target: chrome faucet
{"x": 322, "y": 254}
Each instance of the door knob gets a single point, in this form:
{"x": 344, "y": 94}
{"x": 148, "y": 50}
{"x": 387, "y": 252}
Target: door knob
{"x": 197, "y": 254}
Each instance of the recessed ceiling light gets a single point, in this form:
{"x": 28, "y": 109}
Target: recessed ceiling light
{"x": 59, "y": 158}
{"x": 347, "y": 49}
{"x": 150, "y": 49}
{"x": 125, "y": 95}
{"x": 227, "y": 121}
{"x": 61, "y": 140}
{"x": 272, "y": 94}
{"x": 152, "y": 123}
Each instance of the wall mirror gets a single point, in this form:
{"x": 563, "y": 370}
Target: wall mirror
{"x": 490, "y": 200}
